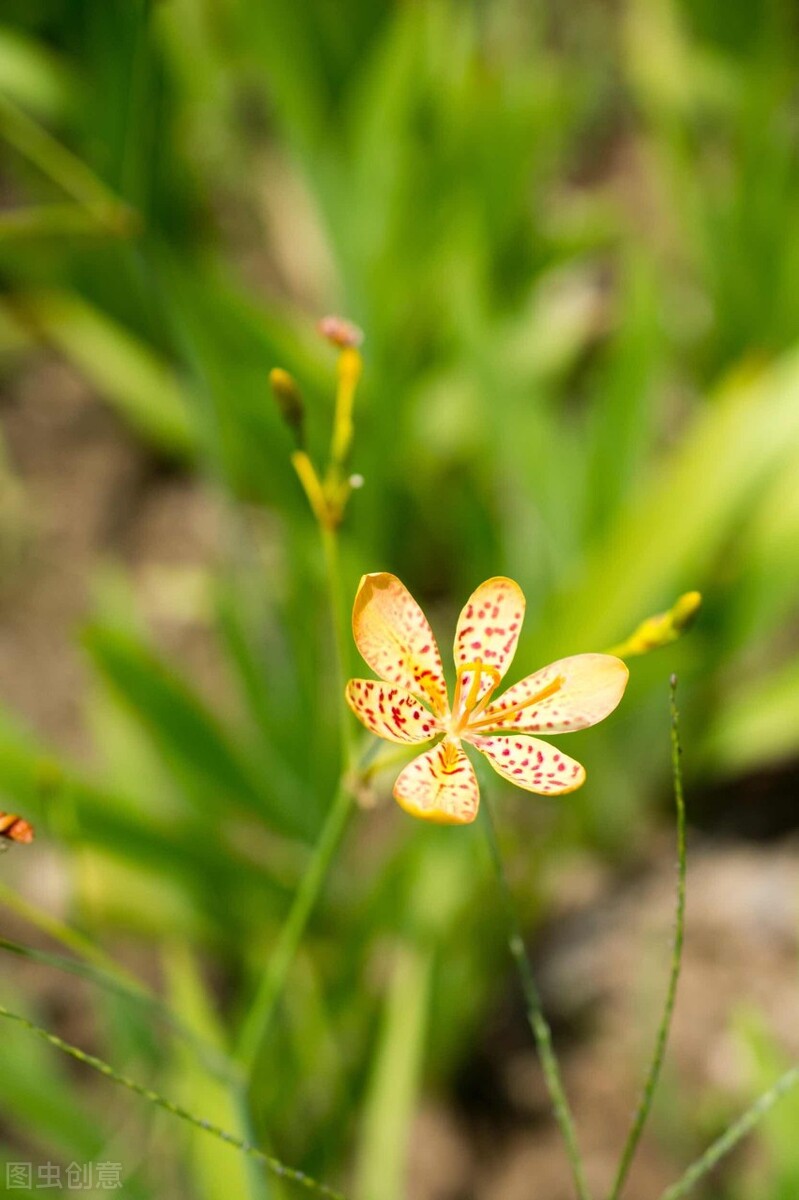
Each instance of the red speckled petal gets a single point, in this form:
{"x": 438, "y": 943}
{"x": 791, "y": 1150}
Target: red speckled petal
{"x": 531, "y": 764}
{"x": 393, "y": 635}
{"x": 439, "y": 786}
{"x": 391, "y": 712}
{"x": 488, "y": 629}
{"x": 585, "y": 689}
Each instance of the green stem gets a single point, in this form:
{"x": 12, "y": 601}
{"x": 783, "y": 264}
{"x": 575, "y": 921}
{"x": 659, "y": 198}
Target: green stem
{"x": 273, "y": 981}
{"x": 535, "y": 1013}
{"x": 730, "y": 1138}
{"x": 661, "y": 1040}
{"x": 273, "y": 1165}
{"x": 342, "y": 635}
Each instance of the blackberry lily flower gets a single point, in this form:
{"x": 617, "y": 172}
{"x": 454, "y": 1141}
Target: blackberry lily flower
{"x": 409, "y": 703}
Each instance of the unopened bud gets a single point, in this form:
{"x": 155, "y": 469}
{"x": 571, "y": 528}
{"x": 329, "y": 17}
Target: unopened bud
{"x": 685, "y": 611}
{"x": 289, "y": 401}
{"x": 340, "y": 332}
{"x": 661, "y": 629}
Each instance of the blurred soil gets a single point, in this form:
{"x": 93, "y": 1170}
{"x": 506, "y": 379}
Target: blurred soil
{"x": 79, "y": 492}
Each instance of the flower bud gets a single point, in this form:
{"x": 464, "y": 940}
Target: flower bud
{"x": 661, "y": 629}
{"x": 289, "y": 401}
{"x": 340, "y": 332}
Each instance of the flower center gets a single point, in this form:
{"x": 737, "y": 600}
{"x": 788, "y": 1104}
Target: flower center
{"x": 468, "y": 702}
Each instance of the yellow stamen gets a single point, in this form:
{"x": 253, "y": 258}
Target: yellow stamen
{"x": 544, "y": 694}
{"x": 449, "y": 755}
{"x": 471, "y": 704}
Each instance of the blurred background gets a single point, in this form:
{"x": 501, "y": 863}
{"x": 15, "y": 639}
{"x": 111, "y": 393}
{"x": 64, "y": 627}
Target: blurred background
{"x": 571, "y": 237}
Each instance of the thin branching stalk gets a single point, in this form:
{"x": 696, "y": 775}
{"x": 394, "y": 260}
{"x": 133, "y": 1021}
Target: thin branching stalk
{"x": 662, "y": 1037}
{"x": 730, "y": 1138}
{"x": 273, "y": 1165}
{"x": 535, "y": 1013}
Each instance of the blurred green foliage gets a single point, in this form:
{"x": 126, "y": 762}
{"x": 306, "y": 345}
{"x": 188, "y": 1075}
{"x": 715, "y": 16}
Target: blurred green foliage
{"x": 571, "y": 236}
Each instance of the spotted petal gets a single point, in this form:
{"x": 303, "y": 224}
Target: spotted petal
{"x": 393, "y": 635}
{"x": 569, "y": 694}
{"x": 439, "y": 786}
{"x": 390, "y": 712}
{"x": 531, "y": 764}
{"x": 488, "y": 629}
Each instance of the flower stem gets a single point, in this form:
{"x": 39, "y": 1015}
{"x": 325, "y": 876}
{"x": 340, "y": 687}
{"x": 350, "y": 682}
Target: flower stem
{"x": 273, "y": 981}
{"x": 341, "y": 633}
{"x": 730, "y": 1138}
{"x": 661, "y": 1040}
{"x": 273, "y": 1165}
{"x": 274, "y": 978}
{"x": 535, "y": 1013}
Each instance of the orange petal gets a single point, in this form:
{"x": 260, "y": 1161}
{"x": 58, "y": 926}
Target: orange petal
{"x": 393, "y": 635}
{"x": 390, "y": 712}
{"x": 488, "y": 630}
{"x": 531, "y": 764}
{"x": 569, "y": 694}
{"x": 439, "y": 786}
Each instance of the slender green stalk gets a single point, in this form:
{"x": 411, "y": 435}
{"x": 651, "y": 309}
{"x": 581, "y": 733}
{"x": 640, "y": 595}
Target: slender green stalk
{"x": 273, "y": 981}
{"x": 273, "y": 1165}
{"x": 730, "y": 1138}
{"x": 535, "y": 1013}
{"x": 259, "y": 1018}
{"x": 661, "y": 1040}
{"x": 341, "y": 629}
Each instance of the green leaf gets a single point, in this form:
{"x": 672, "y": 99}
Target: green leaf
{"x": 127, "y": 372}
{"x": 188, "y": 735}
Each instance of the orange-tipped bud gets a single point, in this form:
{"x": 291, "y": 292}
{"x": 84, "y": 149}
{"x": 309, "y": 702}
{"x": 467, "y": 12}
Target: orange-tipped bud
{"x": 340, "y": 332}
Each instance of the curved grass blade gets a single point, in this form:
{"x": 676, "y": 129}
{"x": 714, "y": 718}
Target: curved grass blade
{"x": 730, "y": 1138}
{"x": 273, "y": 1165}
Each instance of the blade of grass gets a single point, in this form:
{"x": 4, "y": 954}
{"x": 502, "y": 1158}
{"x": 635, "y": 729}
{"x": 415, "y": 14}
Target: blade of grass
{"x": 128, "y": 373}
{"x": 730, "y": 1138}
{"x": 215, "y": 1175}
{"x": 215, "y": 1062}
{"x": 385, "y": 1131}
{"x": 273, "y": 1165}
{"x": 64, "y": 168}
